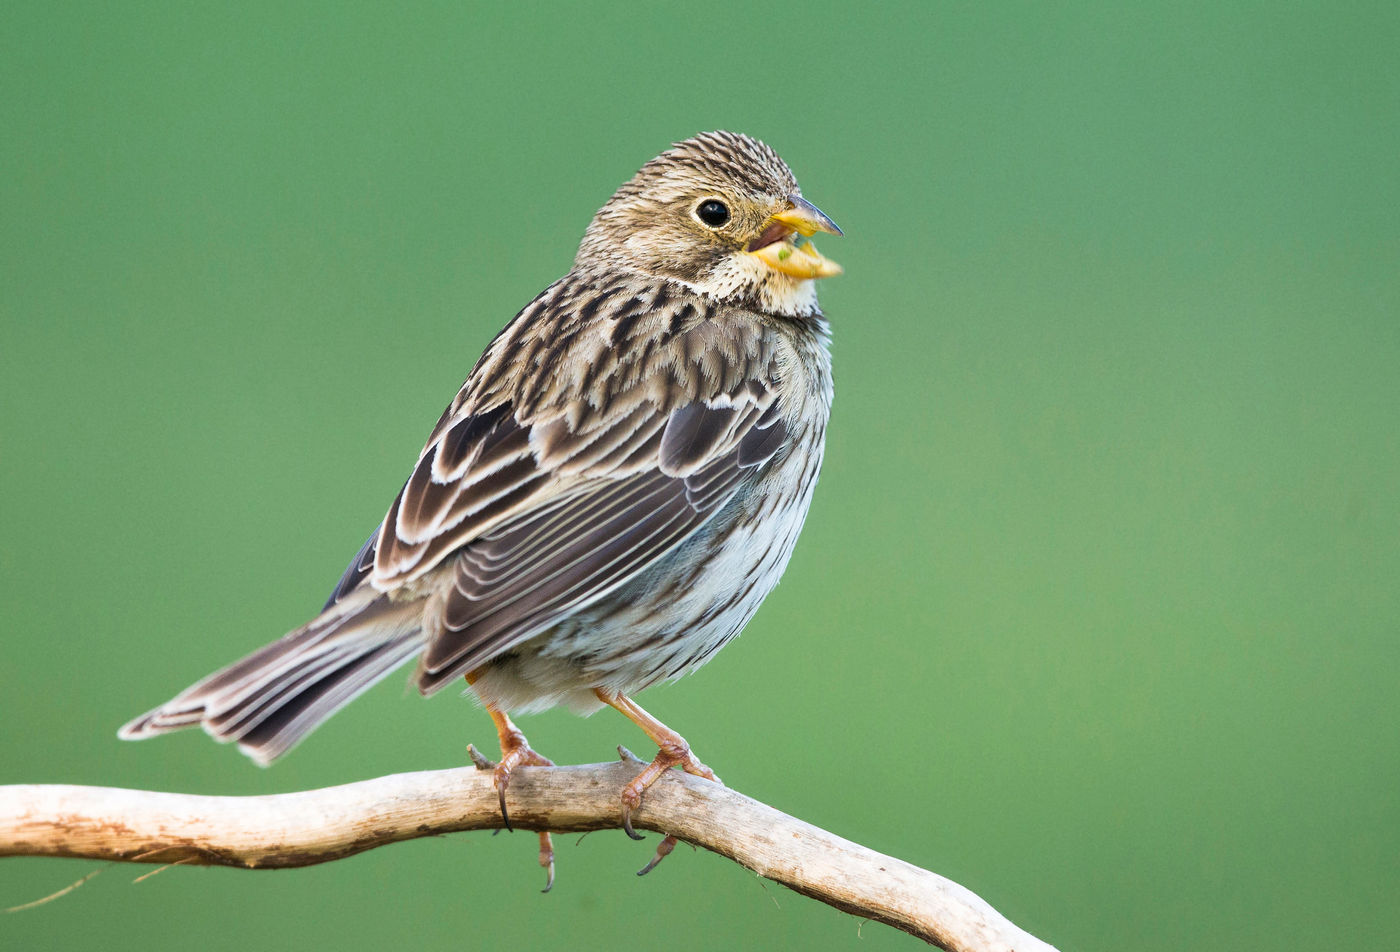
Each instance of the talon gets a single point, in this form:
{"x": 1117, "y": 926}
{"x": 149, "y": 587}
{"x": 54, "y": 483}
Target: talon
{"x": 502, "y": 779}
{"x": 662, "y": 851}
{"x": 547, "y": 860}
{"x": 627, "y": 823}
{"x": 627, "y": 756}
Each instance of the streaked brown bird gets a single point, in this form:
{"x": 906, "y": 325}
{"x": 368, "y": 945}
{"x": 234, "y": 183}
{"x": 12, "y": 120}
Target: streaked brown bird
{"x": 611, "y": 495}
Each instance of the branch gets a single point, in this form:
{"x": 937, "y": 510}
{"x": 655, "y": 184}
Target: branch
{"x": 317, "y": 826}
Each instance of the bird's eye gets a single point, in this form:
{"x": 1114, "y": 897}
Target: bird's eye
{"x": 713, "y": 212}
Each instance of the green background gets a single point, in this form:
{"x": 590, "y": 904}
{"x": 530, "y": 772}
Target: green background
{"x": 1096, "y": 611}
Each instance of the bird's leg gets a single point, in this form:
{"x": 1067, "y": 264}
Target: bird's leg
{"x": 672, "y": 751}
{"x": 515, "y": 752}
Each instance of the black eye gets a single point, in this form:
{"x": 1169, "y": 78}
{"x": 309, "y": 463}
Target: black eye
{"x": 713, "y": 212}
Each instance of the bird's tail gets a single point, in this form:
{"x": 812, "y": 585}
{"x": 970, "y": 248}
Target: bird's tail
{"x": 274, "y": 697}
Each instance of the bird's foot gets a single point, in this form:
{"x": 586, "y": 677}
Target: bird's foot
{"x": 515, "y": 752}
{"x": 670, "y": 755}
{"x": 673, "y": 751}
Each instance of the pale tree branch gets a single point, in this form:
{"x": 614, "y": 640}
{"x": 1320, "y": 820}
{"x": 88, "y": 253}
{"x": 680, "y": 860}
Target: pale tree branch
{"x": 316, "y": 826}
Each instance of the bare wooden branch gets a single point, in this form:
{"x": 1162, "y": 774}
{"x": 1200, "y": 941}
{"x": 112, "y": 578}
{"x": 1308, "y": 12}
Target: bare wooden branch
{"x": 316, "y": 826}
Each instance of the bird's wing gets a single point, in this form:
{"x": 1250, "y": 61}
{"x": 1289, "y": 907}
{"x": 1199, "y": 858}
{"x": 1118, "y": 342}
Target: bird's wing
{"x": 546, "y": 492}
{"x": 561, "y": 555}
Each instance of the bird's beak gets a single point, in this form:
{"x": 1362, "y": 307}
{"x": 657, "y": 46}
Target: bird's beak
{"x": 805, "y": 218}
{"x": 775, "y": 248}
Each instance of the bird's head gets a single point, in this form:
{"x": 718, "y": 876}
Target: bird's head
{"x": 721, "y": 213}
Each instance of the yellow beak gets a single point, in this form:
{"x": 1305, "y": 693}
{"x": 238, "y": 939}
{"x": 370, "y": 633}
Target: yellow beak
{"x": 806, "y": 219}
{"x": 783, "y": 255}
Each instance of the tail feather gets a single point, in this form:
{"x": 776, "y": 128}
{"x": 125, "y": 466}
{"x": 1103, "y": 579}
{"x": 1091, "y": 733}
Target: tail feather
{"x": 275, "y": 734}
{"x": 270, "y": 700}
{"x": 237, "y": 715}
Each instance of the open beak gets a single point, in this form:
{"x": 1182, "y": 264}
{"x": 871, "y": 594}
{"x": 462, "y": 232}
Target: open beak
{"x": 776, "y": 248}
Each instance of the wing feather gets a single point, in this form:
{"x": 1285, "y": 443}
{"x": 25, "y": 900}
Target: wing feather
{"x": 692, "y": 434}
{"x": 603, "y": 551}
{"x": 541, "y": 491}
{"x": 531, "y": 571}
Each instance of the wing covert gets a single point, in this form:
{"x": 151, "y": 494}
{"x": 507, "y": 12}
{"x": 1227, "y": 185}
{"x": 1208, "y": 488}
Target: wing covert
{"x": 540, "y": 566}
{"x": 563, "y": 469}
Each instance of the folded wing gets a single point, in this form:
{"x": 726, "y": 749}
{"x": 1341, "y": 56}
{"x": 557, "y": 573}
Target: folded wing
{"x": 539, "y": 520}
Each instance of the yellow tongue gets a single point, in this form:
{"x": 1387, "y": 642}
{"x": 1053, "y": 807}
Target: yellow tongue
{"x": 801, "y": 262}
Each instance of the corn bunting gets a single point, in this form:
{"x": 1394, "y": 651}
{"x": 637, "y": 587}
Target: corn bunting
{"x": 611, "y": 494}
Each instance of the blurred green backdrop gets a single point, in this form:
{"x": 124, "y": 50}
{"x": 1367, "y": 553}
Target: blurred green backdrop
{"x": 1097, "y": 608}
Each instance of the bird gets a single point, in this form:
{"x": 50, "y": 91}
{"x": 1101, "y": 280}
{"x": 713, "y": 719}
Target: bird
{"x": 614, "y": 490}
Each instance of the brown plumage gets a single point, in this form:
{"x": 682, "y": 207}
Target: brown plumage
{"x": 612, "y": 493}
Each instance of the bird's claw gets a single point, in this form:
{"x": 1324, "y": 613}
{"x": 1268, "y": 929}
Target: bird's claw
{"x": 547, "y": 860}
{"x": 628, "y": 805}
{"x": 515, "y": 752}
{"x": 663, "y": 850}
{"x": 501, "y": 795}
{"x": 515, "y": 756}
{"x": 670, "y": 755}
{"x": 627, "y": 808}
